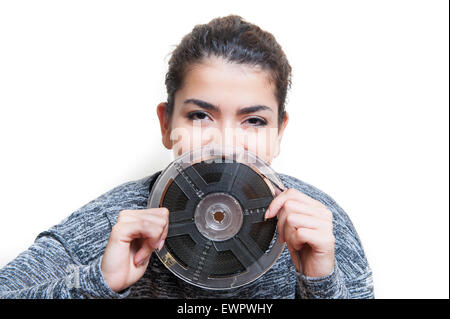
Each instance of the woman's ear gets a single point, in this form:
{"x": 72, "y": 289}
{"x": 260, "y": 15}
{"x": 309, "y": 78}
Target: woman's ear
{"x": 164, "y": 123}
{"x": 280, "y": 133}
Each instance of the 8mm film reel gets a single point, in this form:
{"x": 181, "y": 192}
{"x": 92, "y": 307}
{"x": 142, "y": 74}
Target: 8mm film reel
{"x": 217, "y": 198}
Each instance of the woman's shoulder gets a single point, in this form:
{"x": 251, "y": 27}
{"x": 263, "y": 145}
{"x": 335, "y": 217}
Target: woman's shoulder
{"x": 89, "y": 226}
{"x": 339, "y": 215}
{"x": 132, "y": 194}
{"x": 308, "y": 189}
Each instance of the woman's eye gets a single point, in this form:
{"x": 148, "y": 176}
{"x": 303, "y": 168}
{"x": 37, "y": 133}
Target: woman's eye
{"x": 199, "y": 116}
{"x": 256, "y": 121}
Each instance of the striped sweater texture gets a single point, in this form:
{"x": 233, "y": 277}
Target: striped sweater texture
{"x": 64, "y": 261}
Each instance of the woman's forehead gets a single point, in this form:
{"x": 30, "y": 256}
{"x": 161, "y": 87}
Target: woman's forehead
{"x": 221, "y": 82}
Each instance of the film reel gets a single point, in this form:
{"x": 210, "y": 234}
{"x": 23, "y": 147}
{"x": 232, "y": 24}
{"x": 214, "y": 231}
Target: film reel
{"x": 217, "y": 198}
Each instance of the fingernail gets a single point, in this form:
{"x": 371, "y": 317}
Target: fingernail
{"x": 140, "y": 263}
{"x": 161, "y": 245}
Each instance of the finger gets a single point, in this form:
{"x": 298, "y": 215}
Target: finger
{"x": 152, "y": 242}
{"x": 143, "y": 253}
{"x": 163, "y": 236}
{"x": 163, "y": 217}
{"x": 309, "y": 216}
{"x": 289, "y": 233}
{"x": 292, "y": 206}
{"x": 150, "y": 214}
{"x": 166, "y": 229}
{"x": 303, "y": 204}
{"x": 125, "y": 232}
{"x": 298, "y": 220}
{"x": 317, "y": 240}
{"x": 286, "y": 209}
{"x": 281, "y": 225}
{"x": 320, "y": 212}
{"x": 300, "y": 237}
{"x": 159, "y": 211}
{"x": 279, "y": 201}
{"x": 150, "y": 221}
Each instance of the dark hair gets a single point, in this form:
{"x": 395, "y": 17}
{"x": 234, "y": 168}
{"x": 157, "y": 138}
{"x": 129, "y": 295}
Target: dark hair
{"x": 235, "y": 40}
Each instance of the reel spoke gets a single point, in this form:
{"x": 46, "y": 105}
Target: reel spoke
{"x": 239, "y": 248}
{"x": 178, "y": 216}
{"x": 187, "y": 187}
{"x": 229, "y": 175}
{"x": 181, "y": 228}
{"x": 196, "y": 178}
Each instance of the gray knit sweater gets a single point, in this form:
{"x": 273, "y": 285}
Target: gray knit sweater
{"x": 64, "y": 261}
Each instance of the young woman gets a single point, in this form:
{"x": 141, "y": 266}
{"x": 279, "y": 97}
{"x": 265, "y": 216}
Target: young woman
{"x": 230, "y": 77}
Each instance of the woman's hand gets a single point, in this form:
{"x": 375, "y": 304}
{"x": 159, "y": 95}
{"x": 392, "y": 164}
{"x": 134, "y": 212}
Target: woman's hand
{"x": 133, "y": 238}
{"x": 306, "y": 225}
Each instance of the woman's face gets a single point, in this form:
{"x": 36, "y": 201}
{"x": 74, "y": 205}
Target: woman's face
{"x": 224, "y": 103}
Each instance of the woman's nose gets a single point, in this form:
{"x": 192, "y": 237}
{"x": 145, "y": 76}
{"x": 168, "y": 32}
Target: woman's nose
{"x": 226, "y": 137}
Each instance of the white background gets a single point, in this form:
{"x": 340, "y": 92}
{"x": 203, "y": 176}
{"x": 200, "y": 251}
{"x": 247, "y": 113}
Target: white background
{"x": 80, "y": 81}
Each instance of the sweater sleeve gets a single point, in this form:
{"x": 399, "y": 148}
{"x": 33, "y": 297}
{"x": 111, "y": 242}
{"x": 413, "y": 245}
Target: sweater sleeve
{"x": 334, "y": 286}
{"x": 47, "y": 270}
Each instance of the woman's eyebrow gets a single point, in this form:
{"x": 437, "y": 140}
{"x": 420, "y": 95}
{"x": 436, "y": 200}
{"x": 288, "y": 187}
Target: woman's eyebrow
{"x": 202, "y": 104}
{"x": 252, "y": 109}
{"x": 211, "y": 107}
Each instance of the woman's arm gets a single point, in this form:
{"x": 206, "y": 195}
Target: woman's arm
{"x": 351, "y": 277}
{"x": 47, "y": 270}
{"x": 324, "y": 245}
{"x": 65, "y": 261}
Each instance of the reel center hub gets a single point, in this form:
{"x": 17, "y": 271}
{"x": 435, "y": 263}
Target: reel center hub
{"x": 218, "y": 216}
